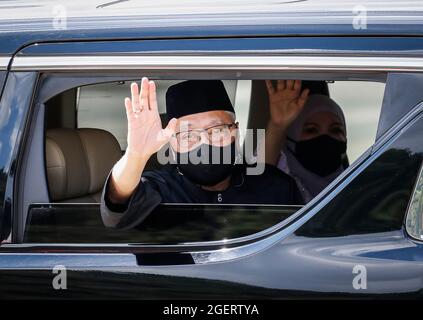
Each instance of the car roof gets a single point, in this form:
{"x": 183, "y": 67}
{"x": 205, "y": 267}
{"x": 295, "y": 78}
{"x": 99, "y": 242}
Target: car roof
{"x": 28, "y": 9}
{"x": 27, "y": 21}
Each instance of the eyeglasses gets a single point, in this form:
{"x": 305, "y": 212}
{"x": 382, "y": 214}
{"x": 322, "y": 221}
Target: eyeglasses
{"x": 215, "y": 135}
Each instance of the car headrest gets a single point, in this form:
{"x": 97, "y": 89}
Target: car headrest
{"x": 78, "y": 161}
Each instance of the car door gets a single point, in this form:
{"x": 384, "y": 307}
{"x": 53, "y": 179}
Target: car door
{"x": 349, "y": 241}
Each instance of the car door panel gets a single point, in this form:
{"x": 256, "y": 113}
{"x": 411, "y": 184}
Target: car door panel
{"x": 315, "y": 256}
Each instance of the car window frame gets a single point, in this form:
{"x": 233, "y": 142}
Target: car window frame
{"x": 269, "y": 235}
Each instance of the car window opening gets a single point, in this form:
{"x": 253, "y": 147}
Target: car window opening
{"x": 307, "y": 133}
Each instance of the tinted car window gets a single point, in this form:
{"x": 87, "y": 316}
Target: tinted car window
{"x": 414, "y": 222}
{"x": 168, "y": 224}
{"x": 377, "y": 199}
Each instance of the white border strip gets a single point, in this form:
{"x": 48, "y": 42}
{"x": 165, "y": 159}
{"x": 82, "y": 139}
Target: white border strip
{"x": 233, "y": 62}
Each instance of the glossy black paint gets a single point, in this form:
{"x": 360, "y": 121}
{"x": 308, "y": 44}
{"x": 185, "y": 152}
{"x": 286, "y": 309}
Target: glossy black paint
{"x": 149, "y": 286}
{"x": 400, "y": 97}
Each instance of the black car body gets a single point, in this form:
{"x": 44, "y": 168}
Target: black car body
{"x": 360, "y": 223}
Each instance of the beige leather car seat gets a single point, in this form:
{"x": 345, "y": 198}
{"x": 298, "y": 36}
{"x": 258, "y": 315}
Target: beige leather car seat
{"x": 78, "y": 162}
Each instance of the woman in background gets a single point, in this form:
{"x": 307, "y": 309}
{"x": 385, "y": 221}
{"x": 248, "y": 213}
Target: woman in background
{"x": 305, "y": 136}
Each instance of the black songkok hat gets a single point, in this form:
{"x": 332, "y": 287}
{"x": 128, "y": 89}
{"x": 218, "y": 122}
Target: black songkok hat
{"x": 195, "y": 96}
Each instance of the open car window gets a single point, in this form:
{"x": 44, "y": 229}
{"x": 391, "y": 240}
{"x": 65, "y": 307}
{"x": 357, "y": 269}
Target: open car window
{"x": 71, "y": 213}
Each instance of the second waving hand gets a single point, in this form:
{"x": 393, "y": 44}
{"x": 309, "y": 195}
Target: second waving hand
{"x": 286, "y": 101}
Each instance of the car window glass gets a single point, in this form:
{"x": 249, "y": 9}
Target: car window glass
{"x": 168, "y": 224}
{"x": 414, "y": 223}
{"x": 376, "y": 200}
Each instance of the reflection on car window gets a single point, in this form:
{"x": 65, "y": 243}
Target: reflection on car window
{"x": 377, "y": 199}
{"x": 168, "y": 224}
{"x": 415, "y": 210}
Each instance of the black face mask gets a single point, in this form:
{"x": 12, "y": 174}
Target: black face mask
{"x": 207, "y": 165}
{"x": 321, "y": 155}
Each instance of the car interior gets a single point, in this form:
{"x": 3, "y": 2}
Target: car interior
{"x": 85, "y": 135}
{"x": 78, "y": 159}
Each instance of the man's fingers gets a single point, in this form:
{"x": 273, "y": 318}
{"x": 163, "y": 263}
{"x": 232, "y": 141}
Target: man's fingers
{"x": 134, "y": 98}
{"x": 128, "y": 107}
{"x": 270, "y": 87}
{"x": 144, "y": 94}
{"x": 152, "y": 96}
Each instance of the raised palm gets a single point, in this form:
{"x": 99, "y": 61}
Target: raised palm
{"x": 285, "y": 101}
{"x": 145, "y": 133}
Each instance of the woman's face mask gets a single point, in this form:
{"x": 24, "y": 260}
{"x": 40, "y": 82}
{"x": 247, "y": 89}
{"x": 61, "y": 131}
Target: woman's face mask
{"x": 322, "y": 155}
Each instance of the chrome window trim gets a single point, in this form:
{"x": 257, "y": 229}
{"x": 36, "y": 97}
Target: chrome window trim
{"x": 216, "y": 62}
{"x": 46, "y": 261}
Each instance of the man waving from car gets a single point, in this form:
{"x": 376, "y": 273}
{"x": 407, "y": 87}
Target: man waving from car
{"x": 202, "y": 134}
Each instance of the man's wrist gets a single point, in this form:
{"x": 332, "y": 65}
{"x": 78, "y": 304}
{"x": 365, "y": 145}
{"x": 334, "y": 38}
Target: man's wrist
{"x": 135, "y": 157}
{"x": 134, "y": 163}
{"x": 125, "y": 176}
